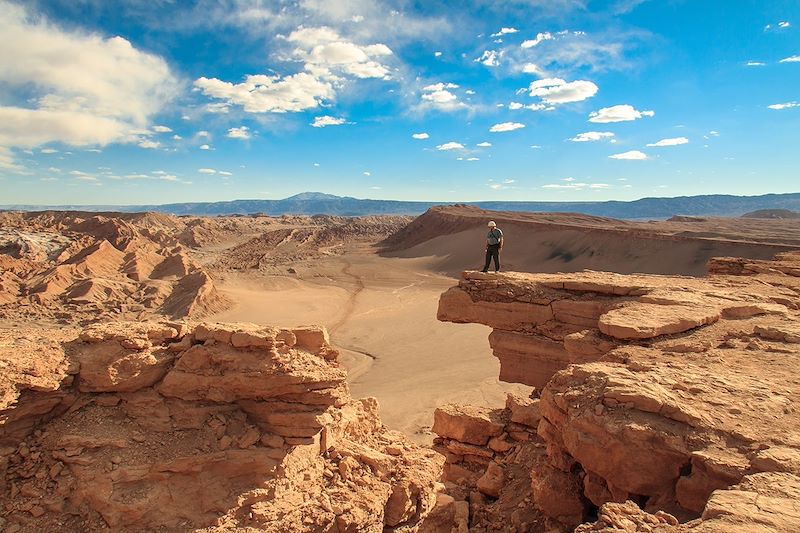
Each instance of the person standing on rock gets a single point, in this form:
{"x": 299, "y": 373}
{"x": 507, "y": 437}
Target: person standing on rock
{"x": 494, "y": 243}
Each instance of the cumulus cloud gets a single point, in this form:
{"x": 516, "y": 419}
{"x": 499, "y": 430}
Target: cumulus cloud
{"x": 490, "y": 58}
{"x": 506, "y": 126}
{"x": 452, "y": 145}
{"x": 533, "y": 107}
{"x": 558, "y": 91}
{"x": 540, "y": 38}
{"x": 323, "y": 49}
{"x": 420, "y": 136}
{"x": 439, "y": 96}
{"x": 324, "y": 121}
{"x": 632, "y": 155}
{"x": 592, "y": 136}
{"x": 149, "y": 144}
{"x": 81, "y": 88}
{"x": 670, "y": 142}
{"x": 7, "y": 160}
{"x": 532, "y": 68}
{"x": 329, "y": 61}
{"x": 242, "y": 132}
{"x": 205, "y": 147}
{"x": 505, "y": 31}
{"x": 791, "y": 59}
{"x": 786, "y": 105}
{"x": 484, "y": 144}
{"x": 261, "y": 93}
{"x": 618, "y": 113}
{"x": 162, "y": 129}
{"x": 206, "y": 171}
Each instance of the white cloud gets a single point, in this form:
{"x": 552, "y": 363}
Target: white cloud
{"x": 484, "y": 144}
{"x": 533, "y": 107}
{"x": 367, "y": 173}
{"x": 242, "y": 132}
{"x": 783, "y": 24}
{"x": 420, "y": 136}
{"x": 48, "y": 151}
{"x": 205, "y": 147}
{"x": 786, "y": 105}
{"x": 270, "y": 94}
{"x": 755, "y": 64}
{"x": 505, "y": 31}
{"x": 532, "y": 68}
{"x": 572, "y": 184}
{"x": 324, "y": 121}
{"x": 618, "y": 113}
{"x": 558, "y": 91}
{"x": 791, "y": 59}
{"x": 452, "y": 145}
{"x": 162, "y": 129}
{"x": 506, "y": 126}
{"x": 439, "y": 86}
{"x": 632, "y": 155}
{"x": 147, "y": 143}
{"x": 224, "y": 173}
{"x": 176, "y": 137}
{"x": 206, "y": 171}
{"x": 670, "y": 142}
{"x": 203, "y": 133}
{"x": 219, "y": 108}
{"x": 437, "y": 54}
{"x": 713, "y": 133}
{"x": 329, "y": 60}
{"x": 7, "y": 160}
{"x": 81, "y": 88}
{"x": 438, "y": 96}
{"x": 591, "y": 136}
{"x": 469, "y": 92}
{"x": 540, "y": 38}
{"x": 490, "y": 58}
{"x": 473, "y": 159}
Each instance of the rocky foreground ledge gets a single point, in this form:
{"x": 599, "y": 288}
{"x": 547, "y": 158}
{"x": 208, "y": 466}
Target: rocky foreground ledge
{"x": 172, "y": 427}
{"x": 662, "y": 403}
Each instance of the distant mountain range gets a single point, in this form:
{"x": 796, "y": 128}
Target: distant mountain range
{"x": 315, "y": 203}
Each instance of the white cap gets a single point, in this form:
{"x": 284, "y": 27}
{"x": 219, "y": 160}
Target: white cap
{"x": 491, "y": 224}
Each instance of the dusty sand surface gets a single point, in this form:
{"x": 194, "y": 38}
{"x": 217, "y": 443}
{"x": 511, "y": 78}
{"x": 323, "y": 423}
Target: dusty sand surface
{"x": 381, "y": 313}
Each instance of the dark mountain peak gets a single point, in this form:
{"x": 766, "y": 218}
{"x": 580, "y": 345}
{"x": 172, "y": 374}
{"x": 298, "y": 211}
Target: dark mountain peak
{"x": 313, "y": 196}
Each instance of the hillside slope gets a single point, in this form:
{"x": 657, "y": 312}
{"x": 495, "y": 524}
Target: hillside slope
{"x": 568, "y": 242}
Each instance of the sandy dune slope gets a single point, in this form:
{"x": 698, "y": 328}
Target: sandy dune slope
{"x": 453, "y": 237}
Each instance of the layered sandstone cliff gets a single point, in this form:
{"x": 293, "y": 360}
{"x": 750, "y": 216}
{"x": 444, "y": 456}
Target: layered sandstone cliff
{"x": 677, "y": 394}
{"x": 170, "y": 427}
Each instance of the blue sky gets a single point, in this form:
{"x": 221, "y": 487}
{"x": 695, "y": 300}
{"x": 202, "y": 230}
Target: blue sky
{"x": 156, "y": 101}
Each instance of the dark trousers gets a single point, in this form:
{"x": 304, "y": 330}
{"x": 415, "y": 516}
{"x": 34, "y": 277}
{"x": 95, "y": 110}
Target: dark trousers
{"x": 492, "y": 251}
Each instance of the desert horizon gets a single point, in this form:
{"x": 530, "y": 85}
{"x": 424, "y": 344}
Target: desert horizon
{"x": 380, "y": 266}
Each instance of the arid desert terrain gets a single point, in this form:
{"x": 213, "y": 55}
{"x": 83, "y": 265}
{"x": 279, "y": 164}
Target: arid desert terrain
{"x": 131, "y": 384}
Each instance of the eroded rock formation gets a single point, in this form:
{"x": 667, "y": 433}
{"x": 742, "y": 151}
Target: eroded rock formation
{"x": 76, "y": 267}
{"x": 171, "y": 427}
{"x": 657, "y": 390}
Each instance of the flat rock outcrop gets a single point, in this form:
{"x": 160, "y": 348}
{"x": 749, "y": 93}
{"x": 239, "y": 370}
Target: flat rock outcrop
{"x": 669, "y": 392}
{"x": 168, "y": 426}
